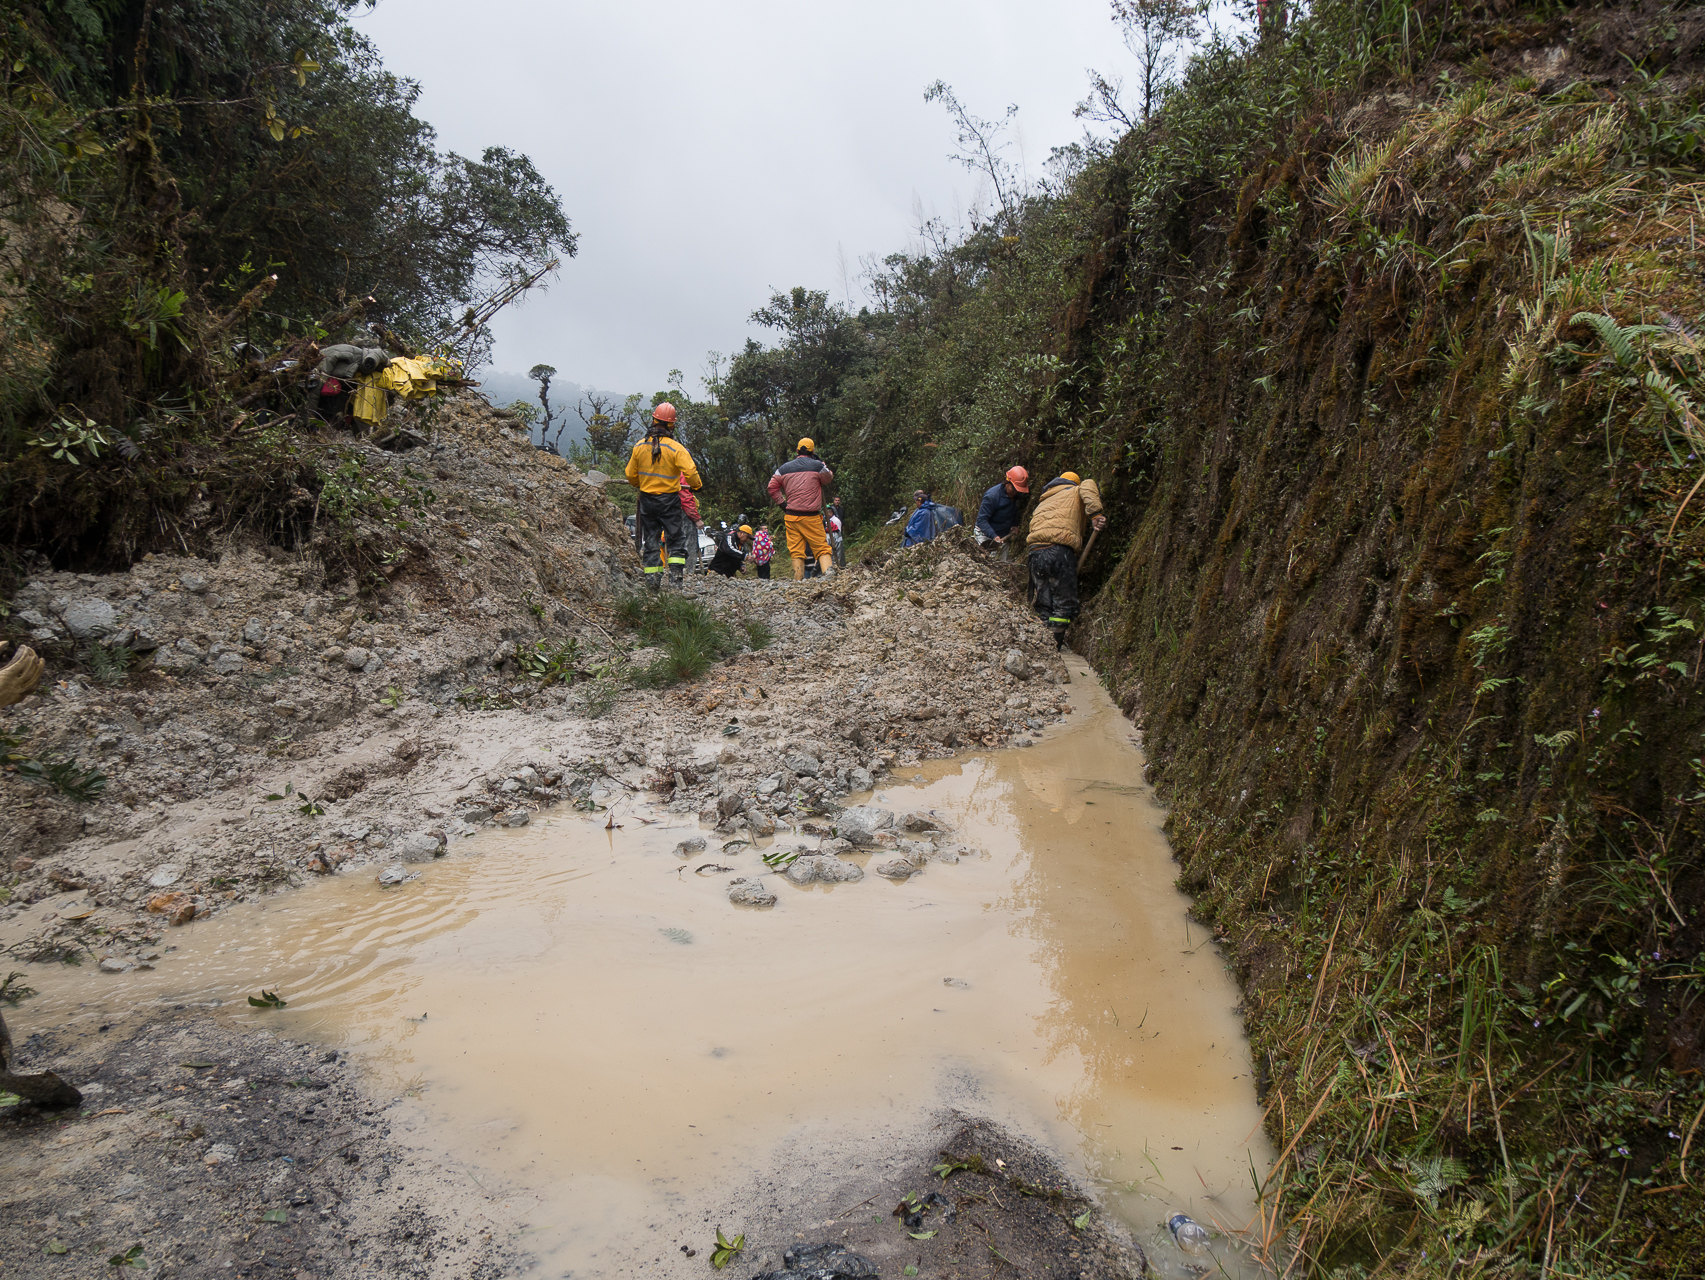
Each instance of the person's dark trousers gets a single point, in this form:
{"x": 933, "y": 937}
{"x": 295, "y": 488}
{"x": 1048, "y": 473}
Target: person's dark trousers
{"x": 1053, "y": 588}
{"x": 661, "y": 516}
{"x": 764, "y": 570}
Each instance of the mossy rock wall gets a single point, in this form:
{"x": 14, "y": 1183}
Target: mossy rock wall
{"x": 1408, "y": 605}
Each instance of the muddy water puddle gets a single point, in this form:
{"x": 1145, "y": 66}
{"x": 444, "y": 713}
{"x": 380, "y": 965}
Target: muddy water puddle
{"x": 572, "y": 1011}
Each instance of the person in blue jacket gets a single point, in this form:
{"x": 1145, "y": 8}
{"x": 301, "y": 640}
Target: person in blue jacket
{"x": 1001, "y": 511}
{"x": 921, "y": 527}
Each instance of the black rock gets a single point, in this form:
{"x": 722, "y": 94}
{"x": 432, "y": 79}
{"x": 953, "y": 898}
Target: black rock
{"x": 828, "y": 1261}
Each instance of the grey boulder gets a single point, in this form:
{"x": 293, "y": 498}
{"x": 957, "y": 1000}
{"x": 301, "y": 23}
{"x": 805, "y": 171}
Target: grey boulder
{"x": 422, "y": 848}
{"x": 804, "y": 765}
{"x": 860, "y": 823}
{"x": 88, "y": 618}
{"x": 829, "y": 1261}
{"x": 917, "y": 820}
{"x": 824, "y": 869}
{"x": 748, "y": 892}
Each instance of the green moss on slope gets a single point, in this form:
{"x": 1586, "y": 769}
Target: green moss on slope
{"x": 1410, "y": 611}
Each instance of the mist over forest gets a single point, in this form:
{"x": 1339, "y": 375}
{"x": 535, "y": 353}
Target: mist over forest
{"x": 568, "y": 403}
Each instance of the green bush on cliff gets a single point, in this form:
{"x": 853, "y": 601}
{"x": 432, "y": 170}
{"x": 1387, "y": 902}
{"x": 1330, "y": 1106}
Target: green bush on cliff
{"x": 190, "y": 188}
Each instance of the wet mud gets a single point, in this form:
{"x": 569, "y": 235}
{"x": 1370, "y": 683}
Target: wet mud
{"x": 584, "y": 1024}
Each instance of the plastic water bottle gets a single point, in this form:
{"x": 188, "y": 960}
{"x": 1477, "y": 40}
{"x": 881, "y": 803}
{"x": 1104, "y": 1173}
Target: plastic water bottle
{"x": 1191, "y": 1235}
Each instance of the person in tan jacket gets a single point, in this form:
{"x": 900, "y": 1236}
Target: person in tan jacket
{"x": 1065, "y": 509}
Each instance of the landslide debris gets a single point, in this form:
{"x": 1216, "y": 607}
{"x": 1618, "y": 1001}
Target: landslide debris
{"x": 255, "y": 718}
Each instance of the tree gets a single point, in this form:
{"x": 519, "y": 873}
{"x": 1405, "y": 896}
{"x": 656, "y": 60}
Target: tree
{"x": 982, "y": 147}
{"x": 1152, "y": 28}
{"x": 1105, "y": 102}
{"x": 525, "y": 411}
{"x": 542, "y": 374}
{"x": 798, "y": 381}
{"x": 192, "y": 188}
{"x": 608, "y": 430}
{"x": 326, "y": 180}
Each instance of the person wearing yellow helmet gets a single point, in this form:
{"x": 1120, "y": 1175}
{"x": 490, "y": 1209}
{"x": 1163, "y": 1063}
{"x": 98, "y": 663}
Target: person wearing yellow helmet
{"x": 731, "y": 548}
{"x": 797, "y": 487}
{"x": 1066, "y": 507}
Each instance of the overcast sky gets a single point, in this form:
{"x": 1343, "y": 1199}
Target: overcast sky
{"x": 710, "y": 153}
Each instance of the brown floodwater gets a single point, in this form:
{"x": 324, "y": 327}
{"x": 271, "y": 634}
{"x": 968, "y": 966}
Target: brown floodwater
{"x": 572, "y": 1011}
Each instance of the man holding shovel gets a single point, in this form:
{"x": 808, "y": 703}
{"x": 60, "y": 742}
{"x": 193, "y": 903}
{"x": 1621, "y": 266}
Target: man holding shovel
{"x": 1064, "y": 509}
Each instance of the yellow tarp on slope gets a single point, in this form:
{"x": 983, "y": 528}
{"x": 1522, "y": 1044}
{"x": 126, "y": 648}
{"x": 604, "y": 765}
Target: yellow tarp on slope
{"x": 410, "y": 377}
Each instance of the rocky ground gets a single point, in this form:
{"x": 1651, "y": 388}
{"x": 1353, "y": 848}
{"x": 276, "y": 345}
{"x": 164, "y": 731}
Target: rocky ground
{"x": 222, "y": 727}
{"x": 253, "y": 721}
{"x": 1004, "y": 1208}
{"x": 212, "y": 1152}
{"x": 203, "y": 1151}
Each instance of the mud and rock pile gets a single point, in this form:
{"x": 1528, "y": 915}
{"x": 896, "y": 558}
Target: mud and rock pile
{"x": 258, "y": 720}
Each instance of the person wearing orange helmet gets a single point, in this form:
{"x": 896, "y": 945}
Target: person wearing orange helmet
{"x": 1001, "y": 512}
{"x": 657, "y": 468}
{"x": 1067, "y": 506}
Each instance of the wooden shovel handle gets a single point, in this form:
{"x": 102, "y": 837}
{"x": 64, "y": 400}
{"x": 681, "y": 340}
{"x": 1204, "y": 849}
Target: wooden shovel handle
{"x": 1093, "y": 534}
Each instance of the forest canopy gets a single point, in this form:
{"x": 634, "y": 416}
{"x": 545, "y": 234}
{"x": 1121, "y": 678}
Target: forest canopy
{"x": 191, "y": 193}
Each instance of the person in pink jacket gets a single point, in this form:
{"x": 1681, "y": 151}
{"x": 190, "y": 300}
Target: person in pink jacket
{"x": 690, "y": 506}
{"x": 763, "y": 550}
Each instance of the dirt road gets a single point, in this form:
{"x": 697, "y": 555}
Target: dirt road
{"x": 274, "y": 724}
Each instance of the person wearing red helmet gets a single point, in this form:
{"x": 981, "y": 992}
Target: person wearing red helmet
{"x": 1001, "y": 512}
{"x": 657, "y": 468}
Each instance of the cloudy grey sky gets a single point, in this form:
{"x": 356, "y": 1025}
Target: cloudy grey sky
{"x": 709, "y": 153}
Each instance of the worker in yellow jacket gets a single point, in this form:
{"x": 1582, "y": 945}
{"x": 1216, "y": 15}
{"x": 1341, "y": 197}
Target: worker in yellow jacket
{"x": 657, "y": 467}
{"x": 1066, "y": 507}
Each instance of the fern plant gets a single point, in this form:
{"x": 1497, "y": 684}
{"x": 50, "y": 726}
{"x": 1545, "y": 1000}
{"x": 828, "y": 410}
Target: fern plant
{"x": 1618, "y": 339}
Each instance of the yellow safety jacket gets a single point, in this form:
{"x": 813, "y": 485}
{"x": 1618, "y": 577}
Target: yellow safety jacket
{"x": 665, "y": 474}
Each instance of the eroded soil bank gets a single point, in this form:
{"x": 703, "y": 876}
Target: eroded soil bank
{"x": 580, "y": 1043}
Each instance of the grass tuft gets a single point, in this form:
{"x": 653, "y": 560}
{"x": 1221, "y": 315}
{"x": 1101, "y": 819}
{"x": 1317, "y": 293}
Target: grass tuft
{"x": 690, "y": 635}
